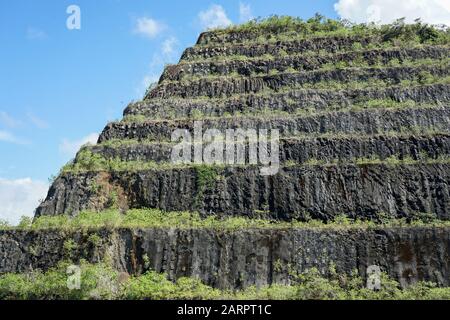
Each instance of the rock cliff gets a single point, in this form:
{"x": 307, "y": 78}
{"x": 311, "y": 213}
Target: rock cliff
{"x": 364, "y": 122}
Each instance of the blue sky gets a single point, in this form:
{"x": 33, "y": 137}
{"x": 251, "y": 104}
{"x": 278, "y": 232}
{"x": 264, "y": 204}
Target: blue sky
{"x": 59, "y": 87}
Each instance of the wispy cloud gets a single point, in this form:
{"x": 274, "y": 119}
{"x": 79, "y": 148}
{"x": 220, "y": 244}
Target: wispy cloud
{"x": 38, "y": 122}
{"x": 148, "y": 27}
{"x": 20, "y": 197}
{"x": 8, "y": 121}
{"x": 148, "y": 80}
{"x": 167, "y": 53}
{"x": 168, "y": 46}
{"x": 214, "y": 17}
{"x": 245, "y": 12}
{"x": 7, "y": 136}
{"x": 70, "y": 147}
{"x": 385, "y": 11}
{"x": 35, "y": 34}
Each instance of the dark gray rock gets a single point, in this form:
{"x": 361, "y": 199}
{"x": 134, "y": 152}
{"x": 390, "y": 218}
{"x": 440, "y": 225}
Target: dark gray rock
{"x": 300, "y": 150}
{"x": 226, "y": 86}
{"x": 330, "y": 44}
{"x": 320, "y": 100}
{"x": 238, "y": 259}
{"x": 321, "y": 192}
{"x": 374, "y": 121}
{"x": 300, "y": 63}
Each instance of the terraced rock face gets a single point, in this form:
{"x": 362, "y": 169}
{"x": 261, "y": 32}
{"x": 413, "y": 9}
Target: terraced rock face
{"x": 364, "y": 126}
{"x": 242, "y": 258}
{"x": 364, "y": 132}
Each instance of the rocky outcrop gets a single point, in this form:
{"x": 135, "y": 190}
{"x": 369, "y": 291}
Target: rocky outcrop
{"x": 321, "y": 192}
{"x": 228, "y": 259}
{"x": 346, "y": 148}
{"x": 374, "y": 121}
{"x": 220, "y": 87}
{"x": 341, "y": 147}
{"x": 364, "y": 122}
{"x": 247, "y": 67}
{"x": 317, "y": 100}
{"x": 330, "y": 44}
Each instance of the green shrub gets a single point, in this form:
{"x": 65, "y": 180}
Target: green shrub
{"x": 286, "y": 27}
{"x": 151, "y": 285}
{"x": 425, "y": 77}
{"x": 25, "y": 222}
{"x": 97, "y": 282}
{"x": 153, "y": 218}
{"x": 135, "y": 118}
{"x": 95, "y": 240}
{"x": 70, "y": 247}
{"x": 100, "y": 281}
{"x": 4, "y": 225}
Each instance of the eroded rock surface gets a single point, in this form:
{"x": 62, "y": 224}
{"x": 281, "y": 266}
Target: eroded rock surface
{"x": 228, "y": 259}
{"x": 364, "y": 123}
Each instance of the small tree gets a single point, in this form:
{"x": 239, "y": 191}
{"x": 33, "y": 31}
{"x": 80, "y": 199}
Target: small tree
{"x": 25, "y": 222}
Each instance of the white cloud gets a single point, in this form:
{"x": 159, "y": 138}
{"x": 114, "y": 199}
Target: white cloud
{"x": 386, "y": 11}
{"x": 145, "y": 84}
{"x": 8, "y": 121}
{"x": 20, "y": 198}
{"x": 38, "y": 122}
{"x": 70, "y": 148}
{"x": 148, "y": 27}
{"x": 245, "y": 12}
{"x": 6, "y": 136}
{"x": 35, "y": 34}
{"x": 168, "y": 46}
{"x": 168, "y": 53}
{"x": 214, "y": 17}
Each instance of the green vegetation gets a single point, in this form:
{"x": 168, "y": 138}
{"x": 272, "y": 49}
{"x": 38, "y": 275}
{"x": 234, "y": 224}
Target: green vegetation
{"x": 70, "y": 247}
{"x": 372, "y": 82}
{"x": 390, "y": 161}
{"x": 115, "y": 143}
{"x": 100, "y": 281}
{"x": 400, "y": 132}
{"x": 276, "y": 28}
{"x": 391, "y": 104}
{"x": 359, "y": 62}
{"x": 4, "y": 225}
{"x": 154, "y": 218}
{"x": 134, "y": 118}
{"x": 206, "y": 176}
{"x": 88, "y": 161}
{"x": 266, "y": 113}
{"x": 385, "y": 103}
{"x": 25, "y": 222}
{"x": 205, "y": 179}
{"x": 359, "y": 44}
{"x": 52, "y": 285}
{"x": 288, "y": 93}
{"x": 296, "y": 106}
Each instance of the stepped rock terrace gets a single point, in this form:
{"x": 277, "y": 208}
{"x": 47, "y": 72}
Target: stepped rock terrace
{"x": 363, "y": 114}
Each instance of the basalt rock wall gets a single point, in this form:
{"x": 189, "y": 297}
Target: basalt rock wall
{"x": 228, "y": 260}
